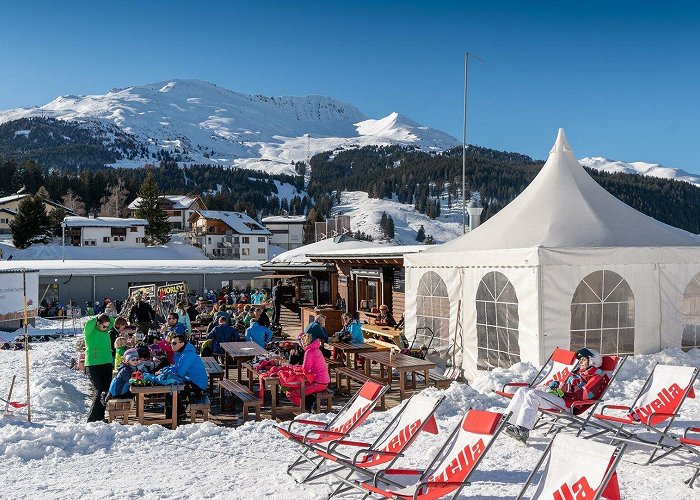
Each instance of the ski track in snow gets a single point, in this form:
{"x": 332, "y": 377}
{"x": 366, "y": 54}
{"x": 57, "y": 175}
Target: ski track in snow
{"x": 59, "y": 456}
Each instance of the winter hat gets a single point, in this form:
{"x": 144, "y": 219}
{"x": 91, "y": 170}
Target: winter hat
{"x": 155, "y": 350}
{"x": 130, "y": 355}
{"x": 594, "y": 357}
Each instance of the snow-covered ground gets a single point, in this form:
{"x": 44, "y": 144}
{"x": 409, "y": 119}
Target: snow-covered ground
{"x": 639, "y": 168}
{"x": 176, "y": 249}
{"x": 59, "y": 456}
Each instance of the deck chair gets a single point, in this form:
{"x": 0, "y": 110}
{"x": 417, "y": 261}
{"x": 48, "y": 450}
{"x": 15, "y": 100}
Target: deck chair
{"x": 578, "y": 414}
{"x": 450, "y": 470}
{"x": 558, "y": 367}
{"x": 577, "y": 469}
{"x": 348, "y": 419}
{"x": 694, "y": 444}
{"x": 414, "y": 417}
{"x": 659, "y": 401}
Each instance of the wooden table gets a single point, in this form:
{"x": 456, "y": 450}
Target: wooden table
{"x": 156, "y": 389}
{"x": 401, "y": 363}
{"x": 272, "y": 384}
{"x": 240, "y": 352}
{"x": 346, "y": 349}
{"x": 383, "y": 333}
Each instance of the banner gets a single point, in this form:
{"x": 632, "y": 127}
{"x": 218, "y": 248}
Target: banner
{"x": 149, "y": 291}
{"x": 12, "y": 293}
{"x": 175, "y": 289}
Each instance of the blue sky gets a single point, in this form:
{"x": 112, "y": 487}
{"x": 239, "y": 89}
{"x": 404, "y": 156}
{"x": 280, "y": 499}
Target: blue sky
{"x": 621, "y": 77}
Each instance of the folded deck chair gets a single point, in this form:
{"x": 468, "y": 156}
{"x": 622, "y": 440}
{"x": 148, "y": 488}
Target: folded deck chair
{"x": 450, "y": 470}
{"x": 694, "y": 443}
{"x": 348, "y": 419}
{"x": 417, "y": 415}
{"x": 577, "y": 469}
{"x": 558, "y": 367}
{"x": 659, "y": 401}
{"x": 578, "y": 414}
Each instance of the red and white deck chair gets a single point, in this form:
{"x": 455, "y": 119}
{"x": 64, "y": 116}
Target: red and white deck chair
{"x": 558, "y": 367}
{"x": 576, "y": 469}
{"x": 348, "y": 419}
{"x": 693, "y": 442}
{"x": 414, "y": 417}
{"x": 659, "y": 401}
{"x": 573, "y": 416}
{"x": 452, "y": 467}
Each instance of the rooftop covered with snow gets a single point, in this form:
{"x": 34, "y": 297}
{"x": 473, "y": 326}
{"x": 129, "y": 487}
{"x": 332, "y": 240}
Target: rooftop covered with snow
{"x": 120, "y": 267}
{"x": 238, "y": 221}
{"x": 75, "y": 221}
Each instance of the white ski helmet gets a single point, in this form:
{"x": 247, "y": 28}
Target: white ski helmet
{"x": 594, "y": 357}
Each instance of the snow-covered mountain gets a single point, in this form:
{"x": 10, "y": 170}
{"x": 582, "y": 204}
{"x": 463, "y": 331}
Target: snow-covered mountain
{"x": 640, "y": 168}
{"x": 203, "y": 123}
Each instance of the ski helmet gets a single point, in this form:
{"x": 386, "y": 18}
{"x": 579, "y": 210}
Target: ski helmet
{"x": 594, "y": 357}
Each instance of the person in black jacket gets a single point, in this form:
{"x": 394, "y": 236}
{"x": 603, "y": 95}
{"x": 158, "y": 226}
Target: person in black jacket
{"x": 263, "y": 319}
{"x": 277, "y": 302}
{"x": 142, "y": 314}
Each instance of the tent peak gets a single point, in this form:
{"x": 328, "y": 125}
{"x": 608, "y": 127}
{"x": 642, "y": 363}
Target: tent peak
{"x": 561, "y": 145}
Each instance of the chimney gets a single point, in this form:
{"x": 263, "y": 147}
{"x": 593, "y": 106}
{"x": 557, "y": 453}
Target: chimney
{"x": 474, "y": 210}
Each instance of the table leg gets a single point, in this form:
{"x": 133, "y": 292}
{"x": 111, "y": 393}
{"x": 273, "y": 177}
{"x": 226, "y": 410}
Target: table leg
{"x": 426, "y": 374}
{"x": 250, "y": 379}
{"x": 347, "y": 360}
{"x": 240, "y": 370}
{"x": 413, "y": 380}
{"x": 381, "y": 372}
{"x": 226, "y": 365}
{"x": 402, "y": 384}
{"x": 302, "y": 400}
{"x": 368, "y": 367}
{"x": 139, "y": 407}
{"x": 174, "y": 413}
{"x": 273, "y": 401}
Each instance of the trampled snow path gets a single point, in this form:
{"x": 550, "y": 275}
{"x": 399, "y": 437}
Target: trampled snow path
{"x": 58, "y": 456}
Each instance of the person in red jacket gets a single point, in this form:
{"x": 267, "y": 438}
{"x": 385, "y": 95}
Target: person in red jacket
{"x": 315, "y": 370}
{"x": 586, "y": 382}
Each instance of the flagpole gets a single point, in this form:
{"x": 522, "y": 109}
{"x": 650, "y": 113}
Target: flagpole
{"x": 464, "y": 140}
{"x": 26, "y": 342}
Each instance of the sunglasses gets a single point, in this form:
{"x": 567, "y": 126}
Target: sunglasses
{"x": 174, "y": 342}
{"x": 104, "y": 325}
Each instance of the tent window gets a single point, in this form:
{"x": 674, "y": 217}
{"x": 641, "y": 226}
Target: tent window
{"x": 602, "y": 314}
{"x": 496, "y": 322}
{"x": 691, "y": 314}
{"x": 433, "y": 310}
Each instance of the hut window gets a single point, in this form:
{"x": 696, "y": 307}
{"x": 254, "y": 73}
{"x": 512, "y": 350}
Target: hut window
{"x": 602, "y": 314}
{"x": 691, "y": 314}
{"x": 433, "y": 310}
{"x": 496, "y": 322}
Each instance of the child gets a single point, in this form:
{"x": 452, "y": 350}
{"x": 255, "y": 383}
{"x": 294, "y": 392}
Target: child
{"x": 315, "y": 370}
{"x": 120, "y": 349}
{"x": 119, "y": 388}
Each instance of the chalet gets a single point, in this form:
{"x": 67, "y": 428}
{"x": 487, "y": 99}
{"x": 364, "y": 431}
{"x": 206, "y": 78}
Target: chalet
{"x": 179, "y": 208}
{"x": 229, "y": 235}
{"x": 10, "y": 204}
{"x": 287, "y": 231}
{"x": 105, "y": 232}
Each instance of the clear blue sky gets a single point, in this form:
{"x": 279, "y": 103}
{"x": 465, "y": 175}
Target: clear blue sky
{"x": 622, "y": 78}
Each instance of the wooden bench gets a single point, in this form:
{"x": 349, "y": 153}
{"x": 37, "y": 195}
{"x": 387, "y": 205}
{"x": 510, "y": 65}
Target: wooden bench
{"x": 357, "y": 376}
{"x": 119, "y": 408}
{"x": 241, "y": 392}
{"x": 214, "y": 370}
{"x": 439, "y": 381}
{"x": 194, "y": 408}
{"x": 322, "y": 397}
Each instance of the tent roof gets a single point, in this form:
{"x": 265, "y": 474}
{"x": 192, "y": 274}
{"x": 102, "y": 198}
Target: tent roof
{"x": 563, "y": 207}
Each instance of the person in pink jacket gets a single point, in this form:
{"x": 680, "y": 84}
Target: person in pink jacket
{"x": 315, "y": 370}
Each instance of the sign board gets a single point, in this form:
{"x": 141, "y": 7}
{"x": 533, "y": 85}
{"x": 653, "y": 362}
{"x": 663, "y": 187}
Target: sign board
{"x": 172, "y": 290}
{"x": 13, "y": 291}
{"x": 149, "y": 291}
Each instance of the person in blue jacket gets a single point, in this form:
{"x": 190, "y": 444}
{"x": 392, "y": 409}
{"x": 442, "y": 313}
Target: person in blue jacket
{"x": 317, "y": 330}
{"x": 119, "y": 388}
{"x": 223, "y": 332}
{"x": 189, "y": 366}
{"x": 258, "y": 333}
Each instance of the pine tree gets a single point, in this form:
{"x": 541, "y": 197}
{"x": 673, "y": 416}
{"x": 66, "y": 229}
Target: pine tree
{"x": 158, "y": 229}
{"x": 382, "y": 223}
{"x": 389, "y": 230}
{"x": 31, "y": 224}
{"x": 56, "y": 217}
{"x": 73, "y": 202}
{"x": 310, "y": 226}
{"x": 112, "y": 204}
{"x": 420, "y": 235}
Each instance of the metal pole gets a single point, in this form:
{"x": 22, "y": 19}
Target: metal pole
{"x": 63, "y": 242}
{"x": 26, "y": 342}
{"x": 464, "y": 146}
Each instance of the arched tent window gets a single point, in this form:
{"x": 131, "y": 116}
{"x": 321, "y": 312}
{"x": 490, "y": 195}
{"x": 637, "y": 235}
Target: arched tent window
{"x": 602, "y": 314}
{"x": 496, "y": 322}
{"x": 433, "y": 310}
{"x": 691, "y": 314}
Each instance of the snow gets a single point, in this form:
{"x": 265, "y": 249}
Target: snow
{"x": 639, "y": 168}
{"x": 24, "y": 133}
{"x": 76, "y": 221}
{"x": 55, "y": 454}
{"x": 212, "y": 125}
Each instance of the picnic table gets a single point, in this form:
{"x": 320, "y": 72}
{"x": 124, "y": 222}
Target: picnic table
{"x": 272, "y": 384}
{"x": 399, "y": 362}
{"x": 141, "y": 393}
{"x": 383, "y": 333}
{"x": 346, "y": 350}
{"x": 240, "y": 352}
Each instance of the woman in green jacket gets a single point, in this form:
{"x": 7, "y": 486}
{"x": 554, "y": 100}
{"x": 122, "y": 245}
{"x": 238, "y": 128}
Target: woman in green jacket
{"x": 98, "y": 361}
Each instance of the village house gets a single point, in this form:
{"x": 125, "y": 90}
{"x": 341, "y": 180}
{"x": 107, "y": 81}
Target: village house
{"x": 105, "y": 232}
{"x": 287, "y": 231}
{"x": 179, "y": 209}
{"x": 229, "y": 235}
{"x": 10, "y": 204}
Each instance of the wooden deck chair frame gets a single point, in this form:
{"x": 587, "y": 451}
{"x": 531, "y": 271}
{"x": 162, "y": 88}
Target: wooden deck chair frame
{"x": 617, "y": 456}
{"x": 558, "y": 420}
{"x": 440, "y": 457}
{"x": 391, "y": 433}
{"x": 622, "y": 435}
{"x": 322, "y": 430}
{"x": 561, "y": 356}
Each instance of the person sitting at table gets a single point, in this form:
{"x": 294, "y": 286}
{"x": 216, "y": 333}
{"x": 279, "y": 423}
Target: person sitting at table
{"x": 385, "y": 318}
{"x": 315, "y": 370}
{"x": 258, "y": 333}
{"x": 190, "y": 366}
{"x": 351, "y": 332}
{"x": 223, "y": 332}
{"x": 223, "y": 311}
{"x": 317, "y": 329}
{"x": 173, "y": 325}
{"x": 119, "y": 388}
{"x": 263, "y": 318}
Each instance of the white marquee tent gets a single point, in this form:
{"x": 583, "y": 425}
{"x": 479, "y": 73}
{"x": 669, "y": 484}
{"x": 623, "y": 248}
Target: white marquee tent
{"x": 565, "y": 264}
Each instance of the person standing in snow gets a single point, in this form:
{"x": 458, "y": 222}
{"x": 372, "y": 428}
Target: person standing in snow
{"x": 98, "y": 361}
{"x": 586, "y": 382}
